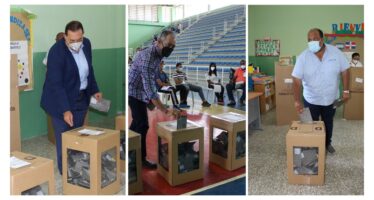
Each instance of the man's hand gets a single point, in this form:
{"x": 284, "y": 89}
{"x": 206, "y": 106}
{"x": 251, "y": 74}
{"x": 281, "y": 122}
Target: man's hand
{"x": 68, "y": 118}
{"x": 173, "y": 112}
{"x": 299, "y": 107}
{"x": 346, "y": 96}
{"x": 98, "y": 96}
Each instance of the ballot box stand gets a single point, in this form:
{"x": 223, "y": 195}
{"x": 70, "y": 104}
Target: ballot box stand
{"x": 90, "y": 163}
{"x": 34, "y": 179}
{"x": 135, "y": 163}
{"x": 306, "y": 153}
{"x": 227, "y": 140}
{"x": 180, "y": 152}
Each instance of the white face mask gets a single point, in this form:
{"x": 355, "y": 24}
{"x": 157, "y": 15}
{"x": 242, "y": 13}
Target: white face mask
{"x": 314, "y": 46}
{"x": 180, "y": 69}
{"x": 212, "y": 68}
{"x": 75, "y": 46}
{"x": 242, "y": 66}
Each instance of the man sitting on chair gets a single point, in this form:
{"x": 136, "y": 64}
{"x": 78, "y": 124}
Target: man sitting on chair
{"x": 164, "y": 86}
{"x": 237, "y": 82}
{"x": 180, "y": 79}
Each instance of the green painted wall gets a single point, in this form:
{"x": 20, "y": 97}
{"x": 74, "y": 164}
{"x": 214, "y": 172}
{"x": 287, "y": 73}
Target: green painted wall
{"x": 140, "y": 32}
{"x": 290, "y": 25}
{"x": 103, "y": 24}
{"x": 105, "y": 27}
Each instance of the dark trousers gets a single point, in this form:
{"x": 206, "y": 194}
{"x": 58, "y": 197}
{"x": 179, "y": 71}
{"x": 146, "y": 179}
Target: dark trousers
{"x": 198, "y": 89}
{"x": 230, "y": 87}
{"x": 79, "y": 110}
{"x": 139, "y": 122}
{"x": 326, "y": 113}
{"x": 183, "y": 92}
{"x": 172, "y": 91}
{"x": 219, "y": 95}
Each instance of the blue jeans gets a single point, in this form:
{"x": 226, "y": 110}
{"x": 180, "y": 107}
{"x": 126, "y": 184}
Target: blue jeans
{"x": 79, "y": 111}
{"x": 327, "y": 114}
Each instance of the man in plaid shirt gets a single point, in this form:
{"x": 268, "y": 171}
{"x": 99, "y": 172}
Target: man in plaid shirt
{"x": 142, "y": 87}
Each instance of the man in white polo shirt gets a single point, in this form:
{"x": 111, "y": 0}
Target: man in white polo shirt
{"x": 318, "y": 70}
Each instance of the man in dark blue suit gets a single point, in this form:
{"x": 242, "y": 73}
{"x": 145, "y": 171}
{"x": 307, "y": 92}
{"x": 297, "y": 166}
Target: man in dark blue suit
{"x": 69, "y": 83}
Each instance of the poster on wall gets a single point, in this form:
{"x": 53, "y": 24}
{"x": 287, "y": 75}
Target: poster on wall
{"x": 20, "y": 48}
{"x": 267, "y": 47}
{"x": 21, "y": 44}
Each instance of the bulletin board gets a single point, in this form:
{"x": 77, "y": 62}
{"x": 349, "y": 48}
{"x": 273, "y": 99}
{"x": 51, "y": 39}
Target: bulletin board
{"x": 21, "y": 44}
{"x": 348, "y": 44}
{"x": 267, "y": 47}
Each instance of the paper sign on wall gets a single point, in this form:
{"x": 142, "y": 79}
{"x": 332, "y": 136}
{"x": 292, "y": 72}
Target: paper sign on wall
{"x": 20, "y": 48}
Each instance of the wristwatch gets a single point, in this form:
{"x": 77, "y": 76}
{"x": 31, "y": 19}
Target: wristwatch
{"x": 346, "y": 91}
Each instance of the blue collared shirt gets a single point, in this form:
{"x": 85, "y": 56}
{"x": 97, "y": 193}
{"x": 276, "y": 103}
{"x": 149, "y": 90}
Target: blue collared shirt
{"x": 320, "y": 78}
{"x": 82, "y": 64}
{"x": 142, "y": 74}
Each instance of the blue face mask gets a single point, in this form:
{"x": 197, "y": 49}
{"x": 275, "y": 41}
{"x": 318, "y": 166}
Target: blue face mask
{"x": 314, "y": 46}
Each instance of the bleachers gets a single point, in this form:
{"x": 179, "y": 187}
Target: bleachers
{"x": 218, "y": 36}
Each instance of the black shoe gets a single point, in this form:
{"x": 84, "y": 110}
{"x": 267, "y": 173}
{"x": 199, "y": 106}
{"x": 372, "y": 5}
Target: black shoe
{"x": 330, "y": 149}
{"x": 149, "y": 165}
{"x": 231, "y": 103}
{"x": 205, "y": 104}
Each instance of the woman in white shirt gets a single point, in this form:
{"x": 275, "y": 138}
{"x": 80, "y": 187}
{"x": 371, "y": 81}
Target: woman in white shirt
{"x": 215, "y": 83}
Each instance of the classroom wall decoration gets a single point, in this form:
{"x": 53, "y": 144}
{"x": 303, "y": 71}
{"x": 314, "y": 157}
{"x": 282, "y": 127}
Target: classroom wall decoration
{"x": 267, "y": 47}
{"x": 348, "y": 28}
{"x": 20, "y": 48}
{"x": 21, "y": 42}
{"x": 349, "y": 38}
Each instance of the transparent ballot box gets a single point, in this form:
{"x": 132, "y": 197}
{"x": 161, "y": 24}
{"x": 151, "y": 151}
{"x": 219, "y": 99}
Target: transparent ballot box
{"x": 91, "y": 161}
{"x": 227, "y": 140}
{"x": 180, "y": 151}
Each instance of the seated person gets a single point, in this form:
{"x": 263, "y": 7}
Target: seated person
{"x": 164, "y": 86}
{"x": 355, "y": 62}
{"x": 215, "y": 83}
{"x": 180, "y": 79}
{"x": 238, "y": 81}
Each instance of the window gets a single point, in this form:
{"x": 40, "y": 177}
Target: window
{"x": 166, "y": 13}
{"x": 143, "y": 13}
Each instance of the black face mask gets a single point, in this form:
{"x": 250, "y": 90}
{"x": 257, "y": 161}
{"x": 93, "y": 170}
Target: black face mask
{"x": 166, "y": 51}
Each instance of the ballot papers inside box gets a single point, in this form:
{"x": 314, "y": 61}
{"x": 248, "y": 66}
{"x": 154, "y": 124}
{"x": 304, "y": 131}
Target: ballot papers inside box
{"x": 180, "y": 152}
{"x": 305, "y": 160}
{"x": 228, "y": 140}
{"x": 306, "y": 153}
{"x": 31, "y": 175}
{"x": 134, "y": 163}
{"x": 91, "y": 161}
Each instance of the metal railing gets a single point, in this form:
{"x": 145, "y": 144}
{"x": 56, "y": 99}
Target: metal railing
{"x": 197, "y": 74}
